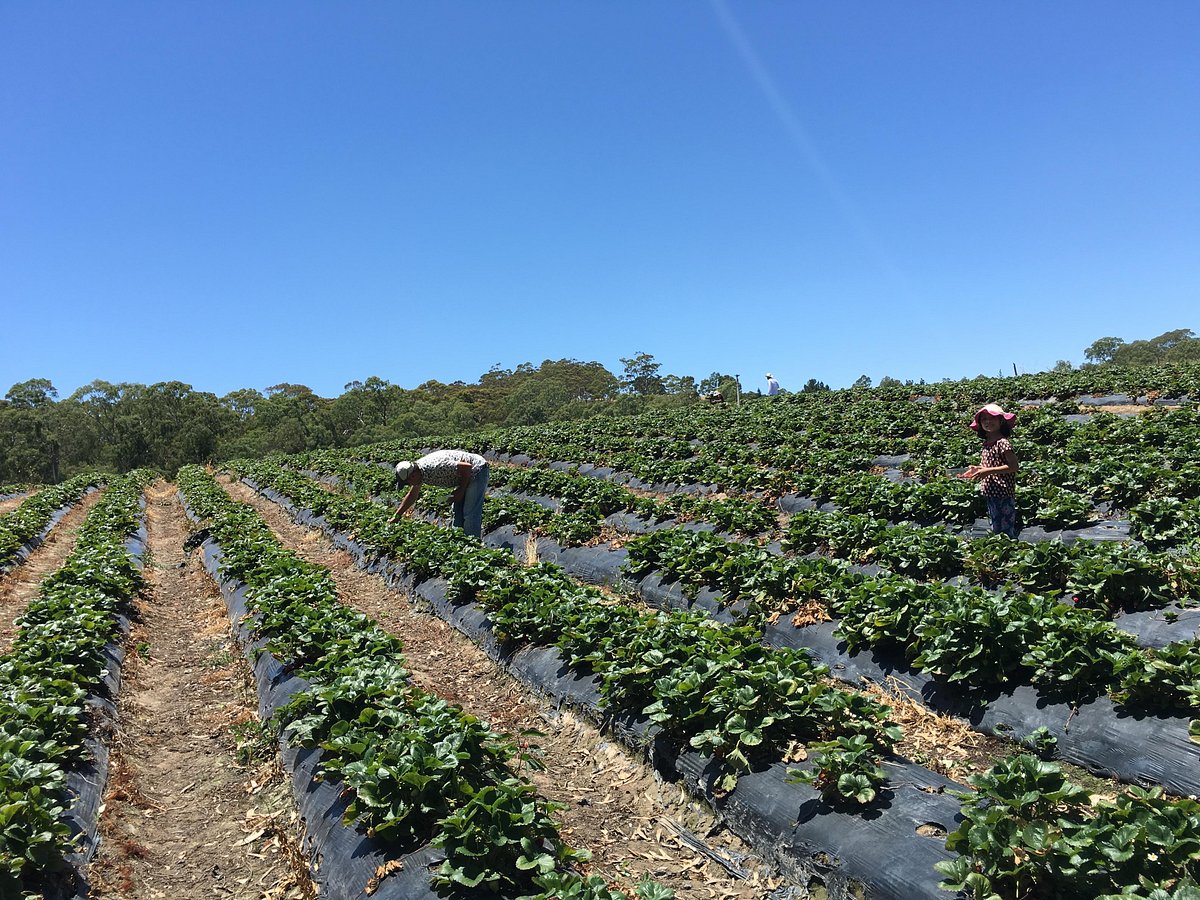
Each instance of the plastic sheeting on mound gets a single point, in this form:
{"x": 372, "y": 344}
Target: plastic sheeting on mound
{"x": 85, "y": 783}
{"x": 342, "y": 861}
{"x": 1106, "y": 400}
{"x": 38, "y": 539}
{"x": 1104, "y": 530}
{"x": 1159, "y": 627}
{"x": 789, "y": 824}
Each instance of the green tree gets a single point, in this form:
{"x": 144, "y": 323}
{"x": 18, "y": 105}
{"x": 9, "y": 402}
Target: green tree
{"x": 862, "y": 381}
{"x": 679, "y": 385}
{"x": 29, "y": 444}
{"x": 1178, "y": 346}
{"x": 243, "y": 403}
{"x": 813, "y": 386}
{"x": 37, "y": 393}
{"x": 641, "y": 376}
{"x": 718, "y": 381}
{"x": 1103, "y": 350}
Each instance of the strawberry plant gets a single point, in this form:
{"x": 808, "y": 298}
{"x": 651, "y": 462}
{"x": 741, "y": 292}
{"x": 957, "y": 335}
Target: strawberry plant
{"x": 1165, "y": 521}
{"x": 1029, "y": 832}
{"x": 1113, "y": 577}
{"x": 977, "y": 638}
{"x": 845, "y": 772}
{"x": 920, "y": 552}
{"x": 1076, "y": 659}
{"x": 500, "y": 840}
{"x": 1167, "y": 678}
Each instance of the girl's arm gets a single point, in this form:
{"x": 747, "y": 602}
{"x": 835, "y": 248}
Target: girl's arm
{"x": 1010, "y": 467}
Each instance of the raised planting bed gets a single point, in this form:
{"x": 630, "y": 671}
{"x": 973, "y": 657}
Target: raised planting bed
{"x": 58, "y": 689}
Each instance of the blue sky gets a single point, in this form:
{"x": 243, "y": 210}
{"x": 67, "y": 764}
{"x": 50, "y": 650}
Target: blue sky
{"x": 241, "y": 194}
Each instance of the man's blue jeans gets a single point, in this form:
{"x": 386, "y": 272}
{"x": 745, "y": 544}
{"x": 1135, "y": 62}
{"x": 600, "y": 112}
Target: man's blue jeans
{"x": 468, "y": 515}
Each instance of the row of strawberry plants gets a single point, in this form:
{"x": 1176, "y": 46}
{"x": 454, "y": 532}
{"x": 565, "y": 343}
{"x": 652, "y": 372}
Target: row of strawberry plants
{"x": 1098, "y": 839}
{"x": 1028, "y": 831}
{"x": 962, "y": 635}
{"x": 635, "y": 460}
{"x": 57, "y": 660}
{"x": 23, "y": 524}
{"x": 1107, "y": 576}
{"x": 419, "y": 770}
{"x": 1170, "y": 380}
{"x": 585, "y": 500}
{"x": 718, "y": 690}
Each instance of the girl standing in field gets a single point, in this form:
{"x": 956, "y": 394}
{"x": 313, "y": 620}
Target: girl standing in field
{"x": 997, "y": 469}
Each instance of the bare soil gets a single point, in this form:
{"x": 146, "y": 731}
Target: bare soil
{"x": 1118, "y": 409}
{"x": 616, "y": 807}
{"x": 941, "y": 743}
{"x": 21, "y": 585}
{"x": 11, "y": 503}
{"x": 184, "y": 817}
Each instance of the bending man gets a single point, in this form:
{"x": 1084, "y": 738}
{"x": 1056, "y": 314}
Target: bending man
{"x": 466, "y": 472}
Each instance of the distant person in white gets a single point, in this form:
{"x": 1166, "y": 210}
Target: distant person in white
{"x": 772, "y": 385}
{"x": 466, "y": 472}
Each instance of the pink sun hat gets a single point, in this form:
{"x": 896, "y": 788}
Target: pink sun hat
{"x": 992, "y": 409}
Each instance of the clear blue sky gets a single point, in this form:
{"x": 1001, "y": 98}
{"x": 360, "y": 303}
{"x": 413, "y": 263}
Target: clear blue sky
{"x": 240, "y": 194}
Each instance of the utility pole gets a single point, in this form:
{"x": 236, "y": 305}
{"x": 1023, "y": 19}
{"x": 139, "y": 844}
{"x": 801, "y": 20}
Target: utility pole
{"x": 1014, "y": 370}
{"x": 737, "y": 381}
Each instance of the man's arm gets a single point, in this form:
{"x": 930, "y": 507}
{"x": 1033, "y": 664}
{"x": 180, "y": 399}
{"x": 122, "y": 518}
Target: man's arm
{"x": 464, "y": 479}
{"x": 414, "y": 491}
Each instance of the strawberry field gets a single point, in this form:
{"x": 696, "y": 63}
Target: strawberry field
{"x": 739, "y": 598}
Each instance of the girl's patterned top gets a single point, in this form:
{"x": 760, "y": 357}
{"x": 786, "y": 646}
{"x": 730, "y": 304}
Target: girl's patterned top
{"x": 997, "y": 485}
{"x": 440, "y": 468}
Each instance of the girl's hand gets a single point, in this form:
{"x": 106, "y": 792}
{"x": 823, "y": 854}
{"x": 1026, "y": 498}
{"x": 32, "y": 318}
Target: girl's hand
{"x": 971, "y": 473}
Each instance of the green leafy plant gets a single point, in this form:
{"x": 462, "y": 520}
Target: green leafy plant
{"x": 846, "y": 772}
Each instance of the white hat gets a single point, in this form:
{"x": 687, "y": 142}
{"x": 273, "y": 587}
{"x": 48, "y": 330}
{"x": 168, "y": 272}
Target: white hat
{"x": 404, "y": 469}
{"x": 769, "y": 375}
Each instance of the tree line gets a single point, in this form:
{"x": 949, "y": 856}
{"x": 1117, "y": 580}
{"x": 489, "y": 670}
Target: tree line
{"x": 118, "y": 427}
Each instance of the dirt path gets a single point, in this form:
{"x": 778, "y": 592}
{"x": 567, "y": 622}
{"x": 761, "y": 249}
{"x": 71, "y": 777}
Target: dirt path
{"x": 21, "y": 585}
{"x": 12, "y": 503}
{"x": 617, "y": 809}
{"x": 1119, "y": 409}
{"x": 196, "y": 805}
